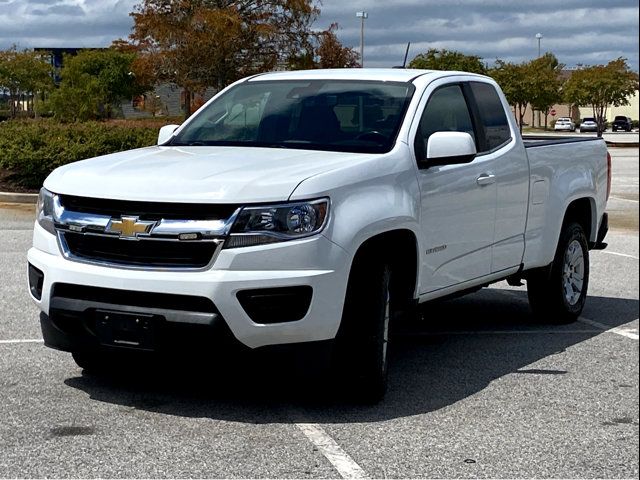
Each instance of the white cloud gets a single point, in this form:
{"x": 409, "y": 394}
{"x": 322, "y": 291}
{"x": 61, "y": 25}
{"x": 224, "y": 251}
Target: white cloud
{"x": 577, "y": 31}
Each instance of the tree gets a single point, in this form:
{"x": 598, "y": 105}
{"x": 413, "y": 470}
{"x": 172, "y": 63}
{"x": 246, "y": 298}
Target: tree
{"x": 545, "y": 84}
{"x": 200, "y": 43}
{"x": 153, "y": 104}
{"x": 515, "y": 81}
{"x": 93, "y": 81}
{"x": 600, "y": 86}
{"x": 23, "y": 73}
{"x": 331, "y": 53}
{"x": 448, "y": 60}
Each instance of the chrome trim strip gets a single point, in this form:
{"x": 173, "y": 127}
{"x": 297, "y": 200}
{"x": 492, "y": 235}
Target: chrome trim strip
{"x": 98, "y": 224}
{"x": 206, "y": 228}
{"x": 86, "y": 220}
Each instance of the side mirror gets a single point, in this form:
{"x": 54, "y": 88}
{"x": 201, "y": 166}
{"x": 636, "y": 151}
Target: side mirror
{"x": 165, "y": 133}
{"x": 448, "y": 148}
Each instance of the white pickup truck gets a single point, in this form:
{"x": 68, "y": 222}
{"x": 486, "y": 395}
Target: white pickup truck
{"x": 311, "y": 208}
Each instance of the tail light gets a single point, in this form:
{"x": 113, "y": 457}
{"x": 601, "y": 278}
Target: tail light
{"x": 608, "y": 175}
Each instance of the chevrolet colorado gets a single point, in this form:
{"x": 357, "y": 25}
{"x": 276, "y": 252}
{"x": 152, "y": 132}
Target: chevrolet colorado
{"x": 313, "y": 207}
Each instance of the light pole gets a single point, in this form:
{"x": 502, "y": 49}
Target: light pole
{"x": 539, "y": 36}
{"x": 362, "y": 16}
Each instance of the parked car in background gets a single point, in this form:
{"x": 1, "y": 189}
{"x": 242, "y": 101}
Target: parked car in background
{"x": 565, "y": 124}
{"x": 622, "y": 123}
{"x": 589, "y": 124}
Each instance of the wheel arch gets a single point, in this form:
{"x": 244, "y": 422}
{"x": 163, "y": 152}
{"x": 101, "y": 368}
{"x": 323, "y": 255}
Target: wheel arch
{"x": 403, "y": 256}
{"x": 582, "y": 211}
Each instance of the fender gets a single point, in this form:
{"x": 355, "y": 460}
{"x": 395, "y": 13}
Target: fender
{"x": 369, "y": 197}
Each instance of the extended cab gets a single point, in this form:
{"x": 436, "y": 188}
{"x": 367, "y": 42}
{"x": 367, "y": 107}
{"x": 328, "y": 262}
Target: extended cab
{"x": 312, "y": 208}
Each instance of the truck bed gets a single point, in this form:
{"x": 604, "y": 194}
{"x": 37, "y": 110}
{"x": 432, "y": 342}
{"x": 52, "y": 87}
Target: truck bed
{"x": 531, "y": 141}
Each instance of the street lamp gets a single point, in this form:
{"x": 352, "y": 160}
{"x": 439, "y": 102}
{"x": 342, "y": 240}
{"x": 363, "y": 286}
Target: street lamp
{"x": 362, "y": 16}
{"x": 539, "y": 36}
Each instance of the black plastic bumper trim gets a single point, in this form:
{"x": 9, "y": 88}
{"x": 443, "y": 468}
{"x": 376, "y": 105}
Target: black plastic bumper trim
{"x": 177, "y": 316}
{"x": 276, "y": 305}
{"x": 36, "y": 280}
{"x": 602, "y": 233}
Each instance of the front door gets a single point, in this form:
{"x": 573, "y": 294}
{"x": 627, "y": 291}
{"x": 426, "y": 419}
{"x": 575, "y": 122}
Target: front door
{"x": 458, "y": 202}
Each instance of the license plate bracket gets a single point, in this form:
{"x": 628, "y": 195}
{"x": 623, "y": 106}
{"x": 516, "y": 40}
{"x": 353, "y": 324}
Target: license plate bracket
{"x": 127, "y": 330}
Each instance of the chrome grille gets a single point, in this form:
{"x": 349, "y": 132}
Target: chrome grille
{"x": 141, "y": 235}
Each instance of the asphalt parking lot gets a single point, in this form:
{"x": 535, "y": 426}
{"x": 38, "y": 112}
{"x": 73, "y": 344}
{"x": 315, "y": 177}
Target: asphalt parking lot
{"x": 477, "y": 389}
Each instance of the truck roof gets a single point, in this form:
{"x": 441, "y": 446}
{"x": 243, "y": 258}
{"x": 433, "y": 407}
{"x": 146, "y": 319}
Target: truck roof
{"x": 378, "y": 74}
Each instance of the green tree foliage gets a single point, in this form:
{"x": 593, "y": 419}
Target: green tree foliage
{"x": 600, "y": 86}
{"x": 32, "y": 149}
{"x": 515, "y": 81}
{"x": 546, "y": 83}
{"x": 536, "y": 83}
{"x": 23, "y": 74}
{"x": 196, "y": 44}
{"x": 93, "y": 81}
{"x": 448, "y": 60}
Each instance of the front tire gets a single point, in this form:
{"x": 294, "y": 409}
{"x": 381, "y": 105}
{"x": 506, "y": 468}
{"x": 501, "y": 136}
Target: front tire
{"x": 363, "y": 339}
{"x": 91, "y": 362}
{"x": 557, "y": 294}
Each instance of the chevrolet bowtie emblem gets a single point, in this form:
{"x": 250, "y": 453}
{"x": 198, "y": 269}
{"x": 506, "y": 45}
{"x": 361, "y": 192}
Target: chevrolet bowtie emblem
{"x": 129, "y": 227}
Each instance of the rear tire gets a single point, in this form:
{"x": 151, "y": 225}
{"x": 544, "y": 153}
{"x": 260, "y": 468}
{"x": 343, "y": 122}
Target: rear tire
{"x": 363, "y": 339}
{"x": 557, "y": 294}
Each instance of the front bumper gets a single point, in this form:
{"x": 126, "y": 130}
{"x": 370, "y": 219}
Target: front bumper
{"x": 315, "y": 262}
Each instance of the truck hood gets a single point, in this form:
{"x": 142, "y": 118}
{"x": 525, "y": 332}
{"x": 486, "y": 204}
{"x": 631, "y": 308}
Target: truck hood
{"x": 196, "y": 174}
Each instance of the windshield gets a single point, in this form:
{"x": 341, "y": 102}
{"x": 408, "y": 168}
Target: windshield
{"x": 589, "y": 119}
{"x": 349, "y": 116}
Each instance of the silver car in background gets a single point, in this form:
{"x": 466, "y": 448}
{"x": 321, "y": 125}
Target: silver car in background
{"x": 564, "y": 124}
{"x": 589, "y": 124}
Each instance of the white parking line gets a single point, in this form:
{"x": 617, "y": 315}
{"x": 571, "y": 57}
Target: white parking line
{"x": 341, "y": 461}
{"x": 619, "y": 254}
{"x": 631, "y": 333}
{"x": 624, "y": 199}
{"x": 498, "y": 332}
{"x": 25, "y": 340}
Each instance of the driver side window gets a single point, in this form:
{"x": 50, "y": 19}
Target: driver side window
{"x": 446, "y": 111}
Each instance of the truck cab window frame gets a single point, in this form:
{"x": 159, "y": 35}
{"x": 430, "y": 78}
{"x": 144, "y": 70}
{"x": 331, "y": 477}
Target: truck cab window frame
{"x": 436, "y": 105}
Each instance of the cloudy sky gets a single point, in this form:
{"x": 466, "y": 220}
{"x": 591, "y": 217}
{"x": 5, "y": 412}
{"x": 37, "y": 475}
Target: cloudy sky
{"x": 577, "y": 31}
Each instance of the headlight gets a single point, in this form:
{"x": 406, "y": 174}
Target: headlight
{"x": 278, "y": 223}
{"x": 45, "y": 210}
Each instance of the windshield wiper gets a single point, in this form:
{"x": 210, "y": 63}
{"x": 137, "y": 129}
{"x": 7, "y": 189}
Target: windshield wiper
{"x": 187, "y": 144}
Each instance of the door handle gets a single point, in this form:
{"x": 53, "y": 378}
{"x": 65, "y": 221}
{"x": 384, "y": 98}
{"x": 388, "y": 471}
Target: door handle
{"x": 486, "y": 179}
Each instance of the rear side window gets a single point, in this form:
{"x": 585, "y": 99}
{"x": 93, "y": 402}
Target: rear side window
{"x": 493, "y": 120}
{"x": 446, "y": 111}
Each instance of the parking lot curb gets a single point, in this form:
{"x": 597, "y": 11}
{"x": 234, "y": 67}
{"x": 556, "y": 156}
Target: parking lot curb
{"x": 9, "y": 197}
{"x": 623, "y": 145}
